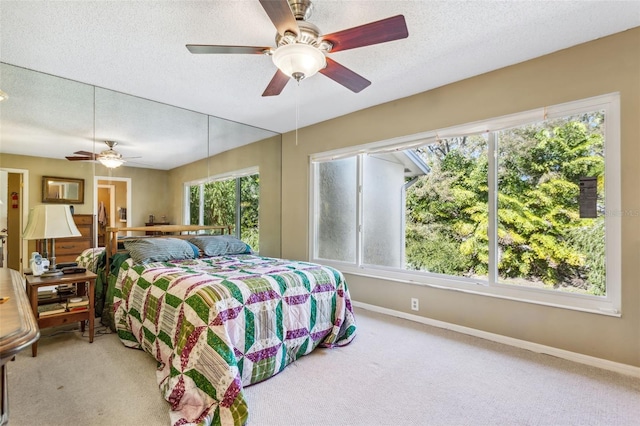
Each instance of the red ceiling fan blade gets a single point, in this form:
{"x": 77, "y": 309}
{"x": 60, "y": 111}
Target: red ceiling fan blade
{"x": 210, "y": 48}
{"x": 343, "y": 75}
{"x": 281, "y": 15}
{"x": 389, "y": 29}
{"x": 79, "y": 158}
{"x": 276, "y": 84}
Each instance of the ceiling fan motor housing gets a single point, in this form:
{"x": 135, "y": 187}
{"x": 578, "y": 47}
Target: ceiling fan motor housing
{"x": 301, "y": 9}
{"x": 110, "y": 153}
{"x": 308, "y": 33}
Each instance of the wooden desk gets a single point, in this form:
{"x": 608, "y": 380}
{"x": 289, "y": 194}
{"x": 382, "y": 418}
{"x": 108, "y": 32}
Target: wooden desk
{"x": 88, "y": 278}
{"x": 18, "y": 327}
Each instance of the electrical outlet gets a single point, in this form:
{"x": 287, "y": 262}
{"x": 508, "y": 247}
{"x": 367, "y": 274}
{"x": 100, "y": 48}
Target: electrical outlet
{"x": 415, "y": 304}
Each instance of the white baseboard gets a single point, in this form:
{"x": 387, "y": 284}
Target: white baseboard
{"x": 617, "y": 367}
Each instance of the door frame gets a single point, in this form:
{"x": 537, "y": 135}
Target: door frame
{"x": 96, "y": 179}
{"x": 24, "y": 214}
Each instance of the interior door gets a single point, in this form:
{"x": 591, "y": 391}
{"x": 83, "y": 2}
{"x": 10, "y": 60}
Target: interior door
{"x": 12, "y": 210}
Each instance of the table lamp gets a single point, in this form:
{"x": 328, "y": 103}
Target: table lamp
{"x": 48, "y": 222}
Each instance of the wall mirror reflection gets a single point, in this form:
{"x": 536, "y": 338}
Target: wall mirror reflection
{"x": 52, "y": 126}
{"x": 62, "y": 190}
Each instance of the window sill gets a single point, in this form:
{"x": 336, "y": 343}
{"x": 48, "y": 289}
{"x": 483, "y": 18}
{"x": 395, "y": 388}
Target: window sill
{"x": 576, "y": 302}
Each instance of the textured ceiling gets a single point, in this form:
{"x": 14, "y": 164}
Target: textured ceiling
{"x": 138, "y": 48}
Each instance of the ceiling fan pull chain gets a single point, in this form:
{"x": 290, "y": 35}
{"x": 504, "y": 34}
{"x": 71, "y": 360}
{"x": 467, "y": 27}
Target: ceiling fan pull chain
{"x": 297, "y": 108}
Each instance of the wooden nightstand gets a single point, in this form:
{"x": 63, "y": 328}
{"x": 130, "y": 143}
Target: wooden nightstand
{"x": 85, "y": 282}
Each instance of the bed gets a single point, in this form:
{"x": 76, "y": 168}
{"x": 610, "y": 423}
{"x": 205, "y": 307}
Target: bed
{"x": 220, "y": 319}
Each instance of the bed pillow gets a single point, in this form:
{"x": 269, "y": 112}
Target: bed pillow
{"x": 147, "y": 250}
{"x": 196, "y": 250}
{"x": 220, "y": 245}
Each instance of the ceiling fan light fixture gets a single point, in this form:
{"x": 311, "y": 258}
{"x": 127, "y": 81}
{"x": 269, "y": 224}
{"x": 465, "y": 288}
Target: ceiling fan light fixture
{"x": 299, "y": 60}
{"x": 110, "y": 159}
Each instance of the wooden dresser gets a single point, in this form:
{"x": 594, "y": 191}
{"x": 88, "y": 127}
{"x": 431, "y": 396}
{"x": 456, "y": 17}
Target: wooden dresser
{"x": 68, "y": 249}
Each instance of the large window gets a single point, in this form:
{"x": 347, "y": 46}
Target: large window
{"x": 227, "y": 200}
{"x": 513, "y": 207}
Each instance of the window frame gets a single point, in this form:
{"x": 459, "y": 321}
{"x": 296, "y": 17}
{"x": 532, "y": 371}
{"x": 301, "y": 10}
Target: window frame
{"x": 610, "y": 304}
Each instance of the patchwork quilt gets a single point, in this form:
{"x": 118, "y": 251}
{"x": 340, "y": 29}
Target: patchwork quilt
{"x": 217, "y": 324}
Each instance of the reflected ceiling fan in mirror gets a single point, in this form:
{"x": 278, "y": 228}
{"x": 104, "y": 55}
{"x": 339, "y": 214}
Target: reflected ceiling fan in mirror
{"x": 301, "y": 51}
{"x": 109, "y": 157}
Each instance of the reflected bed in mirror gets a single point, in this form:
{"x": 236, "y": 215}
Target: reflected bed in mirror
{"x": 62, "y": 190}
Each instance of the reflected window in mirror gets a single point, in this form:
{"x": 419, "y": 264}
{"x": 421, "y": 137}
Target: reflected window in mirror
{"x": 227, "y": 200}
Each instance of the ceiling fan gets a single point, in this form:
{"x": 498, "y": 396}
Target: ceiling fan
{"x": 109, "y": 157}
{"x": 301, "y": 51}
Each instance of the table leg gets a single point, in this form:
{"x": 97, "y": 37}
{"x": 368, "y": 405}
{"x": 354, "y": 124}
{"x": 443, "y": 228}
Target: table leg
{"x": 92, "y": 290}
{"x": 4, "y": 410}
{"x": 81, "y": 291}
{"x": 33, "y": 298}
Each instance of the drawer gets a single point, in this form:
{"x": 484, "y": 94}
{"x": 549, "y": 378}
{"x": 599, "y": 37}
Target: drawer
{"x": 71, "y": 246}
{"x": 83, "y": 220}
{"x": 85, "y": 230}
{"x": 66, "y": 258}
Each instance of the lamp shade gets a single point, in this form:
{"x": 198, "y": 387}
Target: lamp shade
{"x": 50, "y": 221}
{"x": 299, "y": 60}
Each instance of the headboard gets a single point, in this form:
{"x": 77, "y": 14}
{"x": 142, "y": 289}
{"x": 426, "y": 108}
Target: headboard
{"x": 159, "y": 231}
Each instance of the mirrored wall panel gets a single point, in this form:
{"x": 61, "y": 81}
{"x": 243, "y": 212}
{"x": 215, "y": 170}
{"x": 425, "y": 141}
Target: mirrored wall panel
{"x": 133, "y": 154}
{"x": 53, "y": 117}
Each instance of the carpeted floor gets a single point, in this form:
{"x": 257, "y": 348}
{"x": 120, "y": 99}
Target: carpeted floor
{"x": 396, "y": 372}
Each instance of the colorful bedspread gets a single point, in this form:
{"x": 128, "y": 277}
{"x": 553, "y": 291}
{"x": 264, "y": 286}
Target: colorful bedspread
{"x": 216, "y": 325}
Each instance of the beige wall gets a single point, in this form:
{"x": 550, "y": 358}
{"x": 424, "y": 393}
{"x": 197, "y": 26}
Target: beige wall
{"x": 39, "y": 166}
{"x": 611, "y": 64}
{"x": 149, "y": 187}
{"x": 266, "y": 156}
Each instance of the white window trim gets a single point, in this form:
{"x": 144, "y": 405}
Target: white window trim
{"x": 225, "y": 176}
{"x": 606, "y": 305}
